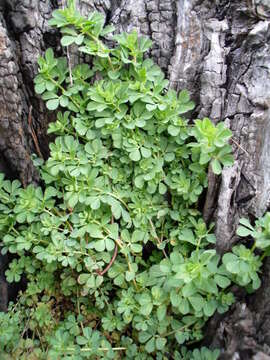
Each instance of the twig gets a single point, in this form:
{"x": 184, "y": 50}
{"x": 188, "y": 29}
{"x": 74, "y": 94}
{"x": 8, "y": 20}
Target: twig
{"x": 78, "y": 307}
{"x": 32, "y": 131}
{"x": 68, "y": 54}
{"x": 69, "y": 67}
{"x": 240, "y": 147}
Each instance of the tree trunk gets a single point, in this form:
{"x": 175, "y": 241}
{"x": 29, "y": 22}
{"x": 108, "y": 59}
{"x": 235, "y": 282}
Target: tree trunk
{"x": 217, "y": 49}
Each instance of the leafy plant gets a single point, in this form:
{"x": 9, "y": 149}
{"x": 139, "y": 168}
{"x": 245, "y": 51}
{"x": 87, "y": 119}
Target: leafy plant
{"x": 260, "y": 232}
{"x": 118, "y": 259}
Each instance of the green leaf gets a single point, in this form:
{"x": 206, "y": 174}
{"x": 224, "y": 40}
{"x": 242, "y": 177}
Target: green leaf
{"x": 95, "y": 203}
{"x": 183, "y": 108}
{"x": 73, "y": 200}
{"x": 130, "y": 275}
{"x": 108, "y": 29}
{"x": 227, "y": 160}
{"x": 116, "y": 210}
{"x": 243, "y": 231}
{"x": 68, "y": 40}
{"x": 180, "y": 337}
{"x": 144, "y": 299}
{"x": 81, "y": 340}
{"x": 211, "y": 238}
{"x": 229, "y": 257}
{"x": 187, "y": 235}
{"x": 222, "y": 281}
{"x": 161, "y": 312}
{"x": 144, "y": 336}
{"x": 49, "y": 56}
{"x": 137, "y": 248}
{"x": 95, "y": 231}
{"x": 165, "y": 266}
{"x": 52, "y": 104}
{"x": 135, "y": 155}
{"x": 210, "y": 308}
{"x": 183, "y": 96}
{"x": 175, "y": 298}
{"x": 204, "y": 158}
{"x": 246, "y": 223}
{"x": 233, "y": 267}
{"x": 160, "y": 343}
{"x": 109, "y": 244}
{"x": 64, "y": 101}
{"x": 184, "y": 307}
{"x": 231, "y": 263}
{"x": 40, "y": 88}
{"x": 188, "y": 290}
{"x": 113, "y": 74}
{"x": 173, "y": 130}
{"x": 79, "y": 39}
{"x": 162, "y": 189}
{"x": 50, "y": 192}
{"x": 49, "y": 95}
{"x": 91, "y": 282}
{"x": 151, "y": 107}
{"x": 150, "y": 345}
{"x": 145, "y": 43}
{"x": 216, "y": 167}
{"x": 262, "y": 243}
{"x": 137, "y": 236}
{"x": 146, "y": 153}
{"x": 100, "y": 245}
{"x": 82, "y": 279}
{"x": 197, "y": 302}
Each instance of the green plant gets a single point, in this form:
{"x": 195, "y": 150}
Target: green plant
{"x": 119, "y": 262}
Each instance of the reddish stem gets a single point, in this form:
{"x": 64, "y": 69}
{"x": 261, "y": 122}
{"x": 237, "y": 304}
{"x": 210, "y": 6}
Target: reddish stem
{"x": 101, "y": 273}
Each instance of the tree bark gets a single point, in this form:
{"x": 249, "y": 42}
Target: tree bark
{"x": 217, "y": 49}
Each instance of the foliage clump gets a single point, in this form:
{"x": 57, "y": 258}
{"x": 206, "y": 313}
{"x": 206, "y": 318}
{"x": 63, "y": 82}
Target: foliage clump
{"x": 118, "y": 260}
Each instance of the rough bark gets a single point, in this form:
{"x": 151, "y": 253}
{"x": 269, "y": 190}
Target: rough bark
{"x": 220, "y": 51}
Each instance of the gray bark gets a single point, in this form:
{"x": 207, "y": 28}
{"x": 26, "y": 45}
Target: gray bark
{"x": 217, "y": 49}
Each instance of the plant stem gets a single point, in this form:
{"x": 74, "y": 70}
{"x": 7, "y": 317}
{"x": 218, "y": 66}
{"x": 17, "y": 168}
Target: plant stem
{"x": 253, "y": 247}
{"x": 63, "y": 90}
{"x": 99, "y": 349}
{"x": 101, "y": 273}
{"x": 128, "y": 262}
{"x": 157, "y": 238}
